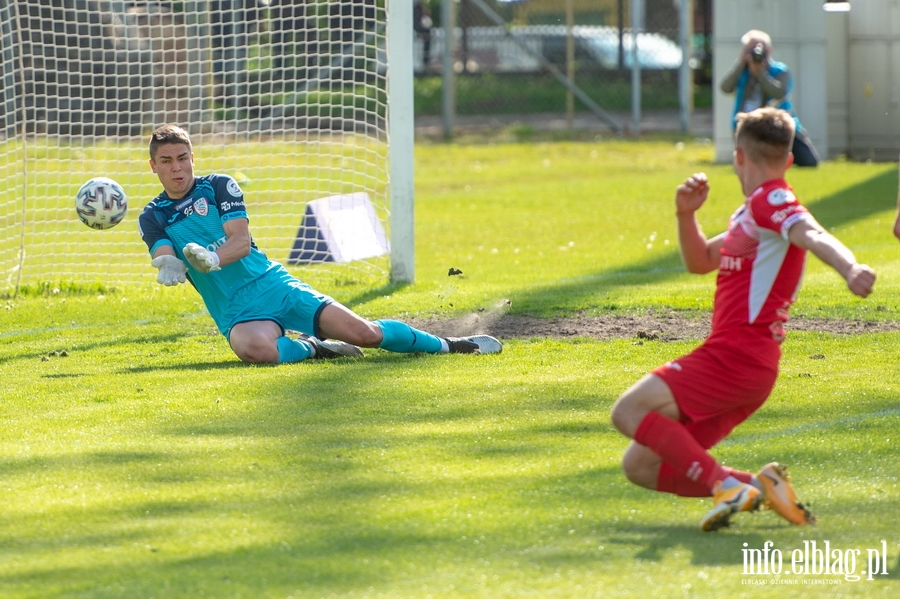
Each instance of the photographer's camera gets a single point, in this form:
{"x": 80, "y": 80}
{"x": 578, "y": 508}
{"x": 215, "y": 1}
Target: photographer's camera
{"x": 758, "y": 53}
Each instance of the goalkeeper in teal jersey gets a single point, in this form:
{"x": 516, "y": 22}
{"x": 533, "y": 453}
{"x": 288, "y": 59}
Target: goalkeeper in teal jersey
{"x": 197, "y": 230}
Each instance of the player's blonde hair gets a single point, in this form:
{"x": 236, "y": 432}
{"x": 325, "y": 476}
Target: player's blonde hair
{"x": 168, "y": 134}
{"x": 765, "y": 134}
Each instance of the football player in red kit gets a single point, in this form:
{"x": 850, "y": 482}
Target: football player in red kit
{"x": 683, "y": 408}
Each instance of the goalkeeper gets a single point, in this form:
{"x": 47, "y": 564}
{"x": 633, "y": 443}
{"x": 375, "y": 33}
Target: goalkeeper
{"x": 197, "y": 230}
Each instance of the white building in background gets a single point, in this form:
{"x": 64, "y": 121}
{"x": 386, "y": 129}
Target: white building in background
{"x": 846, "y": 68}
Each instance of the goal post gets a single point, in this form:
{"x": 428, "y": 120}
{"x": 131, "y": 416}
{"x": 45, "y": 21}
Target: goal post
{"x": 401, "y": 133}
{"x": 292, "y": 99}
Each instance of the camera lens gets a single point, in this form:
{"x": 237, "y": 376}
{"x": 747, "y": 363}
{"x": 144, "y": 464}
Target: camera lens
{"x": 758, "y": 53}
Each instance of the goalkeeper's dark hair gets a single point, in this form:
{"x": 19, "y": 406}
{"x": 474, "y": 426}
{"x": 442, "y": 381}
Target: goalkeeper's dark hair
{"x": 168, "y": 134}
{"x": 766, "y": 134}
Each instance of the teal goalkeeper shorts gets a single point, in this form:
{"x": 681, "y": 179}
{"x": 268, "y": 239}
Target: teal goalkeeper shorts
{"x": 278, "y": 297}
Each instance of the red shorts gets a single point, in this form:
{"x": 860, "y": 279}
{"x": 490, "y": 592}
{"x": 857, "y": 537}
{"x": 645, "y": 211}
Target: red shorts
{"x": 721, "y": 383}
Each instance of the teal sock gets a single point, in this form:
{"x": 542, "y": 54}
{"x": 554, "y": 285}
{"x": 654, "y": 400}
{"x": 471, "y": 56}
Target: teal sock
{"x": 293, "y": 350}
{"x": 402, "y": 338}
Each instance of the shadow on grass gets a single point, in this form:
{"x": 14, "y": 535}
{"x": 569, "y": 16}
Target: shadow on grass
{"x": 844, "y": 207}
{"x": 373, "y": 294}
{"x": 706, "y": 549}
{"x": 858, "y": 202}
{"x": 198, "y": 366}
{"x": 68, "y": 461}
{"x": 85, "y": 345}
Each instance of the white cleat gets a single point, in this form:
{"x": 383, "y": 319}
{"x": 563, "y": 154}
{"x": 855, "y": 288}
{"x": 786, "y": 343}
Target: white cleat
{"x": 329, "y": 349}
{"x": 476, "y": 344}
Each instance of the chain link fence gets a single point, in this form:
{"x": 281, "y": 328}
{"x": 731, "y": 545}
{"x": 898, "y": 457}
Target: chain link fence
{"x": 508, "y": 67}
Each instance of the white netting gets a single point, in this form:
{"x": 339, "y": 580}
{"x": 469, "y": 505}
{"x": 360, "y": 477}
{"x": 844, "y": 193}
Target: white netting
{"x": 288, "y": 98}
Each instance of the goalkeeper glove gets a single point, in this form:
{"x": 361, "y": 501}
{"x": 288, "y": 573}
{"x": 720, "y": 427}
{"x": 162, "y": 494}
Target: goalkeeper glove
{"x": 201, "y": 258}
{"x": 171, "y": 270}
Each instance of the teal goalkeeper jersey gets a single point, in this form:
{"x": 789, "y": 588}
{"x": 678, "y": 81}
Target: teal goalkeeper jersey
{"x": 198, "y": 218}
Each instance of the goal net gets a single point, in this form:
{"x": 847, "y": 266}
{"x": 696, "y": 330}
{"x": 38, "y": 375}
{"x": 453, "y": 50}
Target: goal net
{"x": 290, "y": 99}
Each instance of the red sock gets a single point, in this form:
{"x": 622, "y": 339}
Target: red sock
{"x": 674, "y": 444}
{"x": 670, "y": 481}
{"x": 744, "y": 477}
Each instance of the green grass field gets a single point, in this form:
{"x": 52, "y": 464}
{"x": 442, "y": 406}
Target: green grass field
{"x": 140, "y": 459}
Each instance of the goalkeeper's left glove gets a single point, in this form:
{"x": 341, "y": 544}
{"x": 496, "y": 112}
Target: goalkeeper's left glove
{"x": 171, "y": 270}
{"x": 201, "y": 258}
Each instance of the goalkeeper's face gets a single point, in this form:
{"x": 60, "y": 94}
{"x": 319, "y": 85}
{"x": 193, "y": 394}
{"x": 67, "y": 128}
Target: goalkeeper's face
{"x": 174, "y": 165}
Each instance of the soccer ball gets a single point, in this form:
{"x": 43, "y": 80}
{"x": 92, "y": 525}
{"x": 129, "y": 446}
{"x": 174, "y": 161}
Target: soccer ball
{"x": 101, "y": 203}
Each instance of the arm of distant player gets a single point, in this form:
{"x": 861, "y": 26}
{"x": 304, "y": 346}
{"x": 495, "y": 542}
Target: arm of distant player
{"x": 171, "y": 270}
{"x": 236, "y": 246}
{"x": 810, "y": 235}
{"x": 700, "y": 255}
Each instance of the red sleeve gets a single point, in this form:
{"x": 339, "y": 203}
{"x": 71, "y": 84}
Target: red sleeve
{"x": 775, "y": 207}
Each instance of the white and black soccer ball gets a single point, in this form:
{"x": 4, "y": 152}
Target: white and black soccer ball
{"x": 101, "y": 203}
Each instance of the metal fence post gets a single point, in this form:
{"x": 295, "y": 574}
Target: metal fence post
{"x": 637, "y": 25}
{"x": 570, "y": 64}
{"x": 685, "y": 82}
{"x": 448, "y": 76}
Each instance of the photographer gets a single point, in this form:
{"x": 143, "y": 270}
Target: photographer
{"x": 756, "y": 80}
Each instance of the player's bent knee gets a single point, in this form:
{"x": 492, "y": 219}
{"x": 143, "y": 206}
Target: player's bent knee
{"x": 640, "y": 467}
{"x": 639, "y": 477}
{"x": 257, "y": 357}
{"x": 256, "y": 353}
{"x": 622, "y": 417}
{"x": 631, "y": 467}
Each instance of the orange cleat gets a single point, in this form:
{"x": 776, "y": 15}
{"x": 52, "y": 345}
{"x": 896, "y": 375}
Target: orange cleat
{"x": 779, "y": 495}
{"x": 742, "y": 498}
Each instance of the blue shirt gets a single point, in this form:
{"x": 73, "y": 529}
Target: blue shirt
{"x": 198, "y": 218}
{"x": 775, "y": 69}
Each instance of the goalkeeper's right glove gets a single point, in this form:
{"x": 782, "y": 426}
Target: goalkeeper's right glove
{"x": 171, "y": 270}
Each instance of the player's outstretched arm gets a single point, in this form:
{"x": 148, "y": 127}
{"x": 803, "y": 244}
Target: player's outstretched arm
{"x": 700, "y": 255}
{"x": 810, "y": 235}
{"x": 171, "y": 270}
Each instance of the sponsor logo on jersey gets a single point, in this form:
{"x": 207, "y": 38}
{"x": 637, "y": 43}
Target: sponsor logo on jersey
{"x": 695, "y": 471}
{"x": 217, "y": 244}
{"x": 226, "y": 206}
{"x": 201, "y": 207}
{"x": 779, "y": 215}
{"x": 780, "y": 197}
{"x": 234, "y": 189}
{"x": 731, "y": 263}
